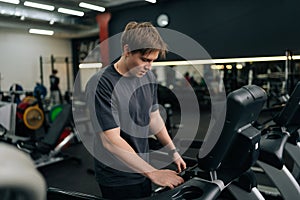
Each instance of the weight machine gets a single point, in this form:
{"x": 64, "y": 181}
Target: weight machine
{"x": 45, "y": 150}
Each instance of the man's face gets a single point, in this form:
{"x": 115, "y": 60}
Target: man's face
{"x": 138, "y": 65}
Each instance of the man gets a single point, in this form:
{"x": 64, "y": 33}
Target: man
{"x": 55, "y": 94}
{"x": 124, "y": 97}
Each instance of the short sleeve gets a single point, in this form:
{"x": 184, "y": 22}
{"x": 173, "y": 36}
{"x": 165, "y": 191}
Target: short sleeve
{"x": 102, "y": 110}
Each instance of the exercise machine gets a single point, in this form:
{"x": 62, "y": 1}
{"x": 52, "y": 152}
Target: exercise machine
{"x": 48, "y": 149}
{"x": 30, "y": 117}
{"x": 234, "y": 152}
{"x": 290, "y": 120}
{"x": 279, "y": 137}
{"x": 45, "y": 150}
{"x": 8, "y": 120}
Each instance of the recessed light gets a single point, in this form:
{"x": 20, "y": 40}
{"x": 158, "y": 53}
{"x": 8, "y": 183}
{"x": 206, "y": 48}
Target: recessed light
{"x": 90, "y": 65}
{"x": 39, "y": 5}
{"x": 11, "y": 1}
{"x": 41, "y": 31}
{"x": 70, "y": 12}
{"x": 92, "y": 7}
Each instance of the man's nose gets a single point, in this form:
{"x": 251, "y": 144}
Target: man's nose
{"x": 148, "y": 66}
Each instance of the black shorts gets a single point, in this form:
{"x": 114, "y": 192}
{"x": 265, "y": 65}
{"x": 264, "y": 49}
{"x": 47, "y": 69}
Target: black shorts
{"x": 140, "y": 190}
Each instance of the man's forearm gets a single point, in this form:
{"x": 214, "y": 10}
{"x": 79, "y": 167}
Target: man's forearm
{"x": 165, "y": 139}
{"x": 158, "y": 128}
{"x": 123, "y": 151}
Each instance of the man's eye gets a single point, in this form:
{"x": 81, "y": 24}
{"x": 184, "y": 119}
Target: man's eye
{"x": 146, "y": 60}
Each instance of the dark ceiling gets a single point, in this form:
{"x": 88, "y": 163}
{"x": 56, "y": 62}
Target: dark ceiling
{"x": 21, "y": 18}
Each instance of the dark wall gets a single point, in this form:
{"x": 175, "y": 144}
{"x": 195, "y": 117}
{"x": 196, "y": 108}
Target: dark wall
{"x": 225, "y": 28}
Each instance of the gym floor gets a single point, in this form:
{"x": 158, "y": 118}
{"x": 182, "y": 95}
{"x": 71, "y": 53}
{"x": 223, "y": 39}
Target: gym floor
{"x": 73, "y": 174}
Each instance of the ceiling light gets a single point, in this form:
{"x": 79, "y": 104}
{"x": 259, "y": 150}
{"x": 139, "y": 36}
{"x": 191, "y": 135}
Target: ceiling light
{"x": 151, "y": 1}
{"x": 90, "y": 65}
{"x": 225, "y": 60}
{"x": 296, "y": 57}
{"x": 71, "y": 12}
{"x": 11, "y": 1}
{"x": 239, "y": 66}
{"x": 39, "y": 5}
{"x": 91, "y": 6}
{"x": 228, "y": 66}
{"x": 217, "y": 67}
{"x": 22, "y": 18}
{"x": 51, "y": 22}
{"x": 41, "y": 32}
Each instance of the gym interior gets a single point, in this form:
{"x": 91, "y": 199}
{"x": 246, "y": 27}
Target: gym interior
{"x": 228, "y": 91}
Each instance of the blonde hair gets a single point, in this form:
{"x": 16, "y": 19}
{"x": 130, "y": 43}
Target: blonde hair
{"x": 143, "y": 38}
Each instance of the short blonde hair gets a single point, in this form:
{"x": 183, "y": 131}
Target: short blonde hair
{"x": 143, "y": 38}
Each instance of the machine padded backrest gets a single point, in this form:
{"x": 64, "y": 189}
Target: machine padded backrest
{"x": 290, "y": 114}
{"x": 243, "y": 108}
{"x": 58, "y": 125}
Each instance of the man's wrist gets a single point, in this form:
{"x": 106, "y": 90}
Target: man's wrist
{"x": 172, "y": 152}
{"x": 149, "y": 173}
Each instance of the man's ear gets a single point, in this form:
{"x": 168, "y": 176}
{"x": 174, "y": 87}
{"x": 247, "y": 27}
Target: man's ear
{"x": 126, "y": 50}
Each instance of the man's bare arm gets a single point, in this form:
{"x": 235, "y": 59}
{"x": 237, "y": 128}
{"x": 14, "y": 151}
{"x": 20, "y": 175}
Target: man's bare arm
{"x": 115, "y": 144}
{"x": 157, "y": 126}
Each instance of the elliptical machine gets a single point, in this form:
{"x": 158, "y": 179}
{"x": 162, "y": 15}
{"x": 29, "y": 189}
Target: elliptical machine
{"x": 279, "y": 138}
{"x": 234, "y": 152}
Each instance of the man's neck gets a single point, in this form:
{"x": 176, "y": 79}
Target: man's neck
{"x": 121, "y": 68}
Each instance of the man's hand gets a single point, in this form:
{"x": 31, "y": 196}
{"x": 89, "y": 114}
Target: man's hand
{"x": 181, "y": 165}
{"x": 165, "y": 177}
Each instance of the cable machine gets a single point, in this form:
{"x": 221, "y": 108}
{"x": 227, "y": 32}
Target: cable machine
{"x": 62, "y": 65}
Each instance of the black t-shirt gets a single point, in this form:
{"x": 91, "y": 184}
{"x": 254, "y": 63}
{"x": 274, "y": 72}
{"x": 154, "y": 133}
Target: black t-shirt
{"x": 54, "y": 81}
{"x": 125, "y": 102}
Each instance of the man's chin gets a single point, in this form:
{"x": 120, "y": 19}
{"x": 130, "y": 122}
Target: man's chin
{"x": 140, "y": 74}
